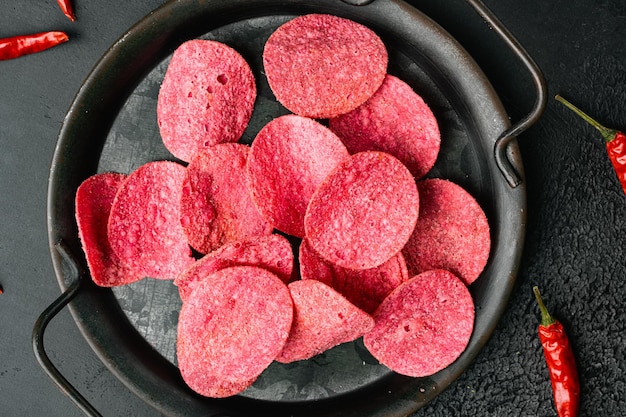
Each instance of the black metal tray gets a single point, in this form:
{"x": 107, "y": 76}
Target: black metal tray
{"x": 111, "y": 126}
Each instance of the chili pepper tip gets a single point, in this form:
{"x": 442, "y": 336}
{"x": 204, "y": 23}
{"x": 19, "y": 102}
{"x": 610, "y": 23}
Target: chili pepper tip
{"x": 67, "y": 9}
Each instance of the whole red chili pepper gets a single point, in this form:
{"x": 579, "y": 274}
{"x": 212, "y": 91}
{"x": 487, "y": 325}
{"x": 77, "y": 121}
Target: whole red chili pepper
{"x": 68, "y": 10}
{"x": 560, "y": 360}
{"x": 615, "y": 142}
{"x": 17, "y": 46}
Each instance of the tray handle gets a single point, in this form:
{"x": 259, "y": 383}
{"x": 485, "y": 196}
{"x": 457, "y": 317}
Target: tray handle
{"x": 501, "y": 146}
{"x": 42, "y": 323}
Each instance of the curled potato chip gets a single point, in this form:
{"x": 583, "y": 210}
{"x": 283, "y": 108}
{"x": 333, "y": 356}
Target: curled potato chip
{"x": 94, "y": 199}
{"x": 272, "y": 252}
{"x": 323, "y": 319}
{"x": 365, "y": 288}
{"x": 395, "y": 120}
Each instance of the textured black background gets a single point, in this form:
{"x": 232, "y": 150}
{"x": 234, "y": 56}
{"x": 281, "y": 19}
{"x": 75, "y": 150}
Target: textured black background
{"x": 576, "y": 210}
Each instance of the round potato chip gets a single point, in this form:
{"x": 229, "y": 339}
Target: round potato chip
{"x": 423, "y": 325}
{"x": 144, "y": 225}
{"x": 452, "y": 232}
{"x": 395, "y": 120}
{"x": 290, "y": 157}
{"x": 231, "y": 328}
{"x": 206, "y": 97}
{"x": 364, "y": 212}
{"x": 216, "y": 204}
{"x": 321, "y": 66}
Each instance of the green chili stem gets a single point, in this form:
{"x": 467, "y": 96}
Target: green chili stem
{"x": 546, "y": 317}
{"x": 607, "y": 134}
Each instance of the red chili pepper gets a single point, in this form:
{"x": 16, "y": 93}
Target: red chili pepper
{"x": 17, "y": 46}
{"x": 615, "y": 142}
{"x": 68, "y": 10}
{"x": 561, "y": 362}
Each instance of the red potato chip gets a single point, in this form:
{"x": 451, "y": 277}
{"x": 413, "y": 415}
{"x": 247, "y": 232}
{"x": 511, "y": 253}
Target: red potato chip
{"x": 365, "y": 288}
{"x": 273, "y": 252}
{"x": 290, "y": 157}
{"x": 144, "y": 225}
{"x": 322, "y": 319}
{"x": 452, "y": 232}
{"x": 364, "y": 212}
{"x": 395, "y": 120}
{"x": 231, "y": 328}
{"x": 206, "y": 97}
{"x": 321, "y": 66}
{"x": 423, "y": 325}
{"x": 216, "y": 204}
{"x": 94, "y": 199}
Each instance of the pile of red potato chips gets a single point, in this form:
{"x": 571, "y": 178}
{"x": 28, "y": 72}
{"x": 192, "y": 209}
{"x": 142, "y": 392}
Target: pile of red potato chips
{"x": 383, "y": 253}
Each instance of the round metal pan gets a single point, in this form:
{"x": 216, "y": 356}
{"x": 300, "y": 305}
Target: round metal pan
{"x": 111, "y": 126}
